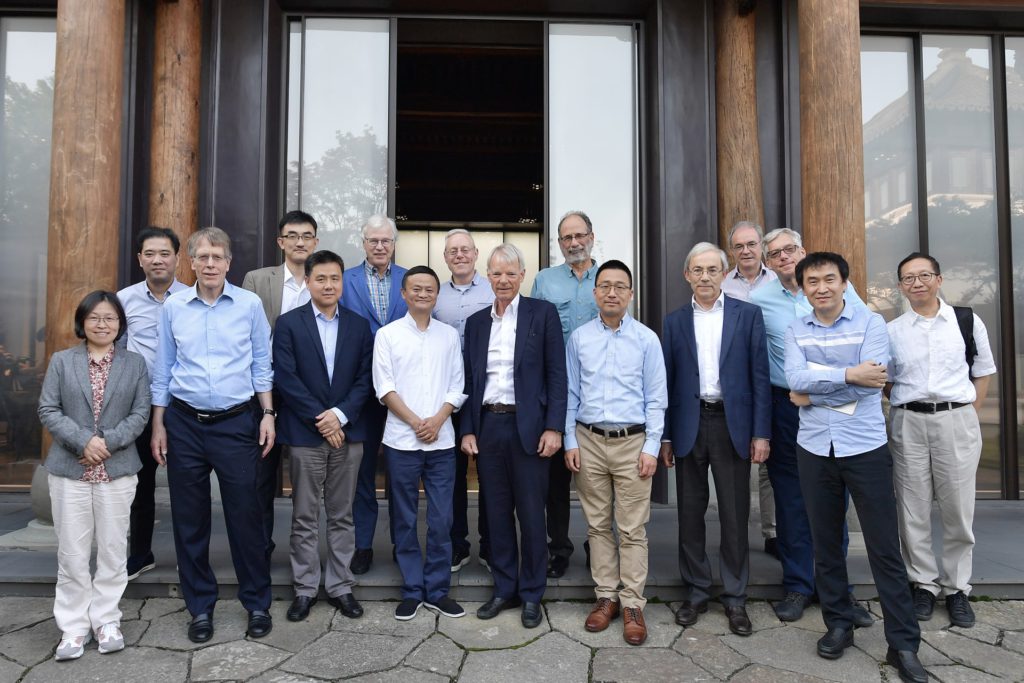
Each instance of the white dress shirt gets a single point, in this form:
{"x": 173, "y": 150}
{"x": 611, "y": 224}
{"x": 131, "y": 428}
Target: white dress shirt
{"x": 425, "y": 369}
{"x": 928, "y": 358}
{"x": 707, "y": 328}
{"x": 294, "y": 292}
{"x": 501, "y": 355}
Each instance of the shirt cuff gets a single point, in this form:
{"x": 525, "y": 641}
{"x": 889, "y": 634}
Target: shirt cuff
{"x": 839, "y": 375}
{"x": 340, "y": 415}
{"x": 651, "y": 447}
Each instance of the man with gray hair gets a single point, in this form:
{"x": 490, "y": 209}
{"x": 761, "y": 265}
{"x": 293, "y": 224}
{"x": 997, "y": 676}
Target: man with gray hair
{"x": 373, "y": 289}
{"x": 462, "y": 296}
{"x": 719, "y": 416}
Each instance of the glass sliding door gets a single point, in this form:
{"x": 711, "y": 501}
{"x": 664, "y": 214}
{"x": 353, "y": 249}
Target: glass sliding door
{"x": 1014, "y": 55}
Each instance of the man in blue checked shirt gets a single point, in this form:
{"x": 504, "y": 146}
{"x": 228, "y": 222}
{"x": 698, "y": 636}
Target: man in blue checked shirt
{"x": 836, "y": 360}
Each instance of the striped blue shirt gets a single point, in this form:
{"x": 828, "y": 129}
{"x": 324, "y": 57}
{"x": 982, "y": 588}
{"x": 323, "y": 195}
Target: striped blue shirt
{"x": 857, "y": 335}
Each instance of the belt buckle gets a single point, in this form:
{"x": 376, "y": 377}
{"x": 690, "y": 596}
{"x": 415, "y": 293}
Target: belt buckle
{"x": 203, "y": 418}
{"x": 933, "y": 408}
{"x": 618, "y": 433}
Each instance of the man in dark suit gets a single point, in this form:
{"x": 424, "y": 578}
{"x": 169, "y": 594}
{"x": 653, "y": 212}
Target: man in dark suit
{"x": 513, "y": 418}
{"x": 322, "y": 368}
{"x": 373, "y": 289}
{"x": 719, "y": 415}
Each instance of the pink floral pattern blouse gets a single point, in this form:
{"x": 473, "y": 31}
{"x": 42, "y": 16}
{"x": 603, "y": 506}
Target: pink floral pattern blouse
{"x": 99, "y": 372}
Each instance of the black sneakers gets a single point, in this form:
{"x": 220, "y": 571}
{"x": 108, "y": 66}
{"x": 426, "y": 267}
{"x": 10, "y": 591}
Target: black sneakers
{"x": 959, "y": 608}
{"x": 924, "y": 604}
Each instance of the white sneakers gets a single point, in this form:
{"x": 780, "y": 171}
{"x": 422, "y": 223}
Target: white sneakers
{"x": 108, "y": 637}
{"x": 71, "y": 647}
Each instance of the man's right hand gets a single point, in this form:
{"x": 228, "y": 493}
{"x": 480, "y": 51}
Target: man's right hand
{"x": 668, "y": 459}
{"x": 158, "y": 444}
{"x": 469, "y": 445}
{"x": 572, "y": 459}
{"x": 868, "y": 374}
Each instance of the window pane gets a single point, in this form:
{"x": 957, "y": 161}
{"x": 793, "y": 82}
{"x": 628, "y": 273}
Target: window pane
{"x": 28, "y": 48}
{"x": 592, "y": 133}
{"x": 291, "y": 200}
{"x": 890, "y": 165}
{"x": 960, "y": 142}
{"x": 1015, "y": 130}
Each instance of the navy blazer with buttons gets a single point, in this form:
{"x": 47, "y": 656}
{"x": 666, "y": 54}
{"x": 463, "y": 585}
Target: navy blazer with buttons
{"x": 541, "y": 386}
{"x": 743, "y": 373}
{"x": 300, "y": 373}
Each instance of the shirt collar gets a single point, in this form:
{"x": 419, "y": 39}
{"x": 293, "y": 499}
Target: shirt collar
{"x": 512, "y": 309}
{"x": 717, "y": 306}
{"x": 477, "y": 280}
{"x": 317, "y": 313}
{"x": 193, "y": 292}
{"x": 299, "y": 282}
{"x": 847, "y": 312}
{"x": 946, "y": 312}
{"x": 372, "y": 272}
{"x": 624, "y": 325}
{"x": 588, "y": 275}
{"x": 108, "y": 357}
{"x": 176, "y": 285}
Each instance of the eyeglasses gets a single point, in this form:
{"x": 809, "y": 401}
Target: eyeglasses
{"x": 109, "y": 321}
{"x": 465, "y": 251}
{"x": 380, "y": 243}
{"x": 699, "y": 272}
{"x": 296, "y": 237}
{"x": 215, "y": 258}
{"x": 925, "y": 278}
{"x": 605, "y": 287}
{"x": 746, "y": 245}
{"x": 578, "y": 236}
{"x": 788, "y": 250}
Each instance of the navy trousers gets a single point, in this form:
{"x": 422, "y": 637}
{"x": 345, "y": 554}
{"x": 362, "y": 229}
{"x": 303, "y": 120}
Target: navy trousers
{"x": 364, "y": 509}
{"x": 427, "y": 578}
{"x": 143, "y": 515}
{"x": 516, "y": 484}
{"x": 231, "y": 449}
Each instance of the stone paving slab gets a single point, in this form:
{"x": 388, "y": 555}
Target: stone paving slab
{"x": 171, "y": 630}
{"x": 794, "y": 650}
{"x": 710, "y": 653}
{"x": 341, "y": 655}
{"x": 379, "y": 618}
{"x": 872, "y": 641}
{"x": 21, "y": 612}
{"x": 158, "y": 607}
{"x": 133, "y": 664}
{"x": 438, "y": 655}
{"x": 1005, "y": 614}
{"x": 503, "y": 631}
{"x": 237, "y": 660}
{"x": 295, "y": 635}
{"x": 401, "y": 675}
{"x": 569, "y": 617}
{"x": 657, "y": 664}
{"x": 765, "y": 674}
{"x": 9, "y": 671}
{"x": 1014, "y": 640}
{"x": 953, "y": 674}
{"x": 31, "y": 645}
{"x": 553, "y": 658}
{"x": 977, "y": 655}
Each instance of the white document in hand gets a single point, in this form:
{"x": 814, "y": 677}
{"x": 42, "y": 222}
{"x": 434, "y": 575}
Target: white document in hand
{"x": 846, "y": 408}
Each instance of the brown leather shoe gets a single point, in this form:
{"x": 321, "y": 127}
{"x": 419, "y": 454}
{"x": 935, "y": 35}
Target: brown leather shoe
{"x": 634, "y": 630}
{"x": 604, "y": 611}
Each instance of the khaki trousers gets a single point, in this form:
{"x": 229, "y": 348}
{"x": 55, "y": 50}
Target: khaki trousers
{"x": 610, "y": 487}
{"x": 936, "y": 456}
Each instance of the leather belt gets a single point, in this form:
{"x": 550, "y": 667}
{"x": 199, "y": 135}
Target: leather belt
{"x": 500, "y": 408}
{"x": 615, "y": 433}
{"x": 921, "y": 407}
{"x": 207, "y": 417}
{"x": 712, "y": 406}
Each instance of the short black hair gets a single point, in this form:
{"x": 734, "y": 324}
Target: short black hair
{"x": 89, "y": 304}
{"x": 817, "y": 259}
{"x": 917, "y": 255}
{"x": 318, "y": 258}
{"x": 614, "y": 265}
{"x": 421, "y": 270}
{"x": 295, "y": 218}
{"x": 156, "y": 232}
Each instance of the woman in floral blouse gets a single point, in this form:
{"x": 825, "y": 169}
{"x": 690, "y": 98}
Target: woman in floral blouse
{"x": 94, "y": 402}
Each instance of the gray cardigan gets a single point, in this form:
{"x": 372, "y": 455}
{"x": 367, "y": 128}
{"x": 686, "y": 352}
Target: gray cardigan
{"x": 65, "y": 409}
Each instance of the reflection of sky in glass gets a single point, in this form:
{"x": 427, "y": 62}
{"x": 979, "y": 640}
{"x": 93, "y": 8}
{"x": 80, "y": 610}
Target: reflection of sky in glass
{"x": 31, "y": 49}
{"x": 592, "y": 96}
{"x": 882, "y": 84}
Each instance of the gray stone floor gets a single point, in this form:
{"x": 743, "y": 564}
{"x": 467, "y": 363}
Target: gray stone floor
{"x": 435, "y": 649}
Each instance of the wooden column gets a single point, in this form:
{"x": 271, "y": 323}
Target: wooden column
{"x": 739, "y": 156}
{"x": 831, "y": 137}
{"x": 85, "y": 172}
{"x": 174, "y": 151}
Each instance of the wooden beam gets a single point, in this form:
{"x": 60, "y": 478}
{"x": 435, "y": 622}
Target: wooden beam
{"x": 948, "y": 4}
{"x": 174, "y": 149}
{"x": 85, "y": 169}
{"x": 739, "y": 156}
{"x": 831, "y": 137}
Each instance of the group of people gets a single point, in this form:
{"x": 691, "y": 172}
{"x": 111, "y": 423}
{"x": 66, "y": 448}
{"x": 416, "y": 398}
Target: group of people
{"x": 776, "y": 362}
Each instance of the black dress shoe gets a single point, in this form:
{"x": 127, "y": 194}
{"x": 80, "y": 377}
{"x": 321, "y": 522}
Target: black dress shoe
{"x": 531, "y": 617}
{"x": 792, "y": 608}
{"x": 832, "y": 644}
{"x": 260, "y": 623}
{"x": 495, "y": 606}
{"x": 347, "y": 605}
{"x": 201, "y": 628}
{"x": 739, "y": 622}
{"x": 859, "y": 613}
{"x": 557, "y": 566}
{"x": 300, "y": 607}
{"x": 688, "y": 613}
{"x": 361, "y": 561}
{"x": 908, "y": 665}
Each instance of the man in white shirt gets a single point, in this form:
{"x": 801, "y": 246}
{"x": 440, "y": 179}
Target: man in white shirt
{"x": 935, "y": 436}
{"x": 418, "y": 375}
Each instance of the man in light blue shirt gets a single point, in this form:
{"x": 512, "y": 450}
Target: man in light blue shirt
{"x": 836, "y": 360}
{"x": 142, "y": 302}
{"x": 213, "y": 356}
{"x": 613, "y": 427}
{"x": 570, "y": 287}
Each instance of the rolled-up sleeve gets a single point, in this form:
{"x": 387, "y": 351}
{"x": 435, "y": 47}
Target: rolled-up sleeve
{"x": 456, "y": 380}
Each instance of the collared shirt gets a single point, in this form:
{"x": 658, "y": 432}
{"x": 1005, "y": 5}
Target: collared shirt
{"x": 929, "y": 358}
{"x": 501, "y": 355}
{"x": 99, "y": 373}
{"x": 573, "y": 297}
{"x": 379, "y": 288}
{"x": 142, "y": 310}
{"x": 738, "y": 287}
{"x": 707, "y": 329}
{"x": 294, "y": 292}
{"x": 328, "y": 329}
{"x": 214, "y": 356}
{"x": 616, "y": 379}
{"x": 857, "y": 335}
{"x": 424, "y": 367}
{"x": 455, "y": 303}
{"x": 780, "y": 308}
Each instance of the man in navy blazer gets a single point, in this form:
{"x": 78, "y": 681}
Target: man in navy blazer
{"x": 373, "y": 289}
{"x": 719, "y": 416}
{"x": 323, "y": 358}
{"x": 513, "y": 419}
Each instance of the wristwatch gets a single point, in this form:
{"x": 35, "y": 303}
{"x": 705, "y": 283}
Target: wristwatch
{"x": 271, "y": 412}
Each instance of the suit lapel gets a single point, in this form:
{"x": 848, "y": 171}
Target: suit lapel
{"x": 523, "y": 323}
{"x": 730, "y": 314}
{"x": 276, "y": 292}
{"x": 338, "y": 346}
{"x": 394, "y": 296}
{"x": 81, "y": 370}
{"x": 309, "y": 323}
{"x": 689, "y": 334}
{"x": 117, "y": 370}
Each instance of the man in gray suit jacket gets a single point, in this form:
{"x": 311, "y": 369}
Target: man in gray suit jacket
{"x": 281, "y": 289}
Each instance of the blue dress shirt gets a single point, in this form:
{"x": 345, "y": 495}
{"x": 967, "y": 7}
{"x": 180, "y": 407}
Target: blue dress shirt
{"x": 616, "y": 379}
{"x": 328, "y": 329}
{"x": 455, "y": 303}
{"x": 215, "y": 356}
{"x": 857, "y": 335}
{"x": 142, "y": 310}
{"x": 574, "y": 298}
